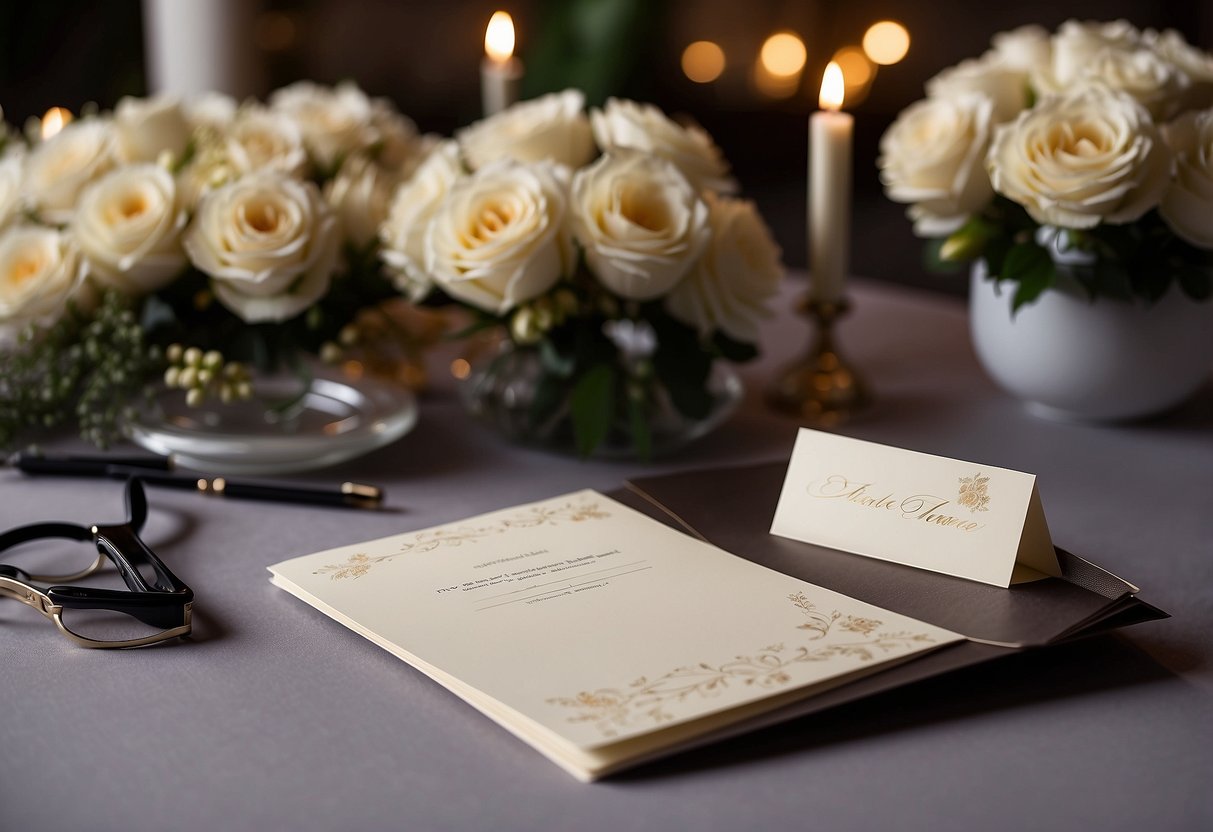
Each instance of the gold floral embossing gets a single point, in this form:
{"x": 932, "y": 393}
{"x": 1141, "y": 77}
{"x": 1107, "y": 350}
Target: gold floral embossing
{"x": 357, "y": 565}
{"x": 819, "y": 623}
{"x": 646, "y": 701}
{"x": 973, "y": 493}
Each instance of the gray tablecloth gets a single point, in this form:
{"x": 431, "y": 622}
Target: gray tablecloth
{"x": 275, "y": 717}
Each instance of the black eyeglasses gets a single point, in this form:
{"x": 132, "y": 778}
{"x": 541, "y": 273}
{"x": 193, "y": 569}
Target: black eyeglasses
{"x": 156, "y": 608}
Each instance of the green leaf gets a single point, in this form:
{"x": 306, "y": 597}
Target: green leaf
{"x": 934, "y": 262}
{"x": 592, "y": 407}
{"x": 734, "y": 350}
{"x": 1196, "y": 282}
{"x": 1032, "y": 268}
{"x": 554, "y": 362}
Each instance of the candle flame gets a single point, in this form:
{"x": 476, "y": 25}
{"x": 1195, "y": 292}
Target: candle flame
{"x": 499, "y": 37}
{"x": 833, "y": 88}
{"x": 55, "y": 119}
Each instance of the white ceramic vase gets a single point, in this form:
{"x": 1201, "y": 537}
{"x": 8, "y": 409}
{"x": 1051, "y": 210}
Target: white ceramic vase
{"x": 1108, "y": 360}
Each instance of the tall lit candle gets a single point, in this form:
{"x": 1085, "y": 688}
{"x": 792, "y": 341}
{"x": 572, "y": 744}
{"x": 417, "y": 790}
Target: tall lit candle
{"x": 501, "y": 71}
{"x": 197, "y": 46}
{"x": 830, "y": 132}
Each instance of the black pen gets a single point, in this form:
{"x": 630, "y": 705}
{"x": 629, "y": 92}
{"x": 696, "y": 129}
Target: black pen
{"x": 157, "y": 471}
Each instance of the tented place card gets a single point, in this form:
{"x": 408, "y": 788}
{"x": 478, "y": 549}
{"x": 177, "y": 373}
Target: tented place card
{"x": 960, "y": 518}
{"x": 596, "y": 634}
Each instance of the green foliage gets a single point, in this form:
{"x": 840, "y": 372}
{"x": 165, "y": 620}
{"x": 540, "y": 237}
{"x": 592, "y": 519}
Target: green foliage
{"x": 92, "y": 369}
{"x": 1141, "y": 260}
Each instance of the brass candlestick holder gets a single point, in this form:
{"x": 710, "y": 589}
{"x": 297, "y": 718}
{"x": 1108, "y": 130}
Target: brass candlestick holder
{"x": 822, "y": 389}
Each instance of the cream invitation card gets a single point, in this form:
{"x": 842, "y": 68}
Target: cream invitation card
{"x": 973, "y": 521}
{"x": 600, "y": 636}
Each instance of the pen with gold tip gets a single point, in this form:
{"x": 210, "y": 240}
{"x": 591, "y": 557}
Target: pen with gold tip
{"x": 156, "y": 471}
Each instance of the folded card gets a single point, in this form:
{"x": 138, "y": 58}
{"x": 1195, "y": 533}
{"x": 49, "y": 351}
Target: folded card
{"x": 597, "y": 634}
{"x": 973, "y": 521}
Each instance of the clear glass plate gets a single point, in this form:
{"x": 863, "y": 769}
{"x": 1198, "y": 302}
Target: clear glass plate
{"x": 336, "y": 419}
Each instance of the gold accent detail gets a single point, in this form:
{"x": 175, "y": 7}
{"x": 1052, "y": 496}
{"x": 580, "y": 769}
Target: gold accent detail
{"x": 359, "y": 563}
{"x": 645, "y": 700}
{"x": 973, "y": 493}
{"x": 822, "y": 388}
{"x": 369, "y": 493}
{"x": 203, "y": 485}
{"x": 218, "y": 484}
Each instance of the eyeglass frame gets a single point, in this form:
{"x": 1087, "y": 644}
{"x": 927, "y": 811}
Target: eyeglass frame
{"x": 161, "y": 603}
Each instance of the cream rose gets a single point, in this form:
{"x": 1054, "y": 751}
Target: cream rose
{"x": 148, "y": 127}
{"x": 1023, "y": 48}
{"x": 640, "y": 221}
{"x": 501, "y": 236}
{"x": 59, "y": 168}
{"x": 933, "y": 158}
{"x": 334, "y": 121}
{"x": 403, "y": 232}
{"x": 128, "y": 226}
{"x": 359, "y": 195}
{"x": 990, "y": 75}
{"x": 1074, "y": 46}
{"x": 552, "y": 127}
{"x": 39, "y": 271}
{"x": 259, "y": 139}
{"x": 398, "y": 145}
{"x": 1079, "y": 160}
{"x": 10, "y": 186}
{"x": 1187, "y": 205}
{"x": 1195, "y": 63}
{"x": 1159, "y": 85}
{"x": 210, "y": 109}
{"x": 629, "y": 125}
{"x": 728, "y": 288}
{"x": 269, "y": 244}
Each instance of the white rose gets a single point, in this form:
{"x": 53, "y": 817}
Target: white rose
{"x": 359, "y": 195}
{"x": 501, "y": 236}
{"x": 1187, "y": 206}
{"x": 1074, "y": 47}
{"x": 1195, "y": 63}
{"x": 1004, "y": 84}
{"x": 933, "y": 158}
{"x": 1077, "y": 160}
{"x": 269, "y": 244}
{"x": 728, "y": 288}
{"x": 39, "y": 271}
{"x": 210, "y": 109}
{"x": 148, "y": 127}
{"x": 1023, "y": 48}
{"x": 627, "y": 124}
{"x": 334, "y": 121}
{"x": 398, "y": 144}
{"x": 403, "y": 232}
{"x": 128, "y": 226}
{"x": 259, "y": 139}
{"x": 10, "y": 186}
{"x": 640, "y": 221}
{"x": 1159, "y": 85}
{"x": 552, "y": 127}
{"x": 59, "y": 168}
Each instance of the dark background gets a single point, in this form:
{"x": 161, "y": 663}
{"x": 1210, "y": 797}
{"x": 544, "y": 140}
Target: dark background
{"x": 425, "y": 57}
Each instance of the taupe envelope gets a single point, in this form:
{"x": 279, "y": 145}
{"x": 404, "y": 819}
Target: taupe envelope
{"x": 732, "y": 508}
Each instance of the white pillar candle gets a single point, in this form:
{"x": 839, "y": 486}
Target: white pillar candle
{"x": 500, "y": 71}
{"x": 830, "y": 132}
{"x": 197, "y": 46}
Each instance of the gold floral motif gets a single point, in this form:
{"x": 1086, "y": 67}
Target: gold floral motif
{"x": 645, "y": 700}
{"x": 357, "y": 565}
{"x": 973, "y": 493}
{"x": 819, "y": 623}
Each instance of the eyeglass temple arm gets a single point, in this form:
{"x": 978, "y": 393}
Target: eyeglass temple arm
{"x": 12, "y": 587}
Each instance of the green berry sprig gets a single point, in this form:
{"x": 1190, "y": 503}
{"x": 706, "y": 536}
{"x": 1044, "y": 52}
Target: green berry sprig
{"x": 205, "y": 374}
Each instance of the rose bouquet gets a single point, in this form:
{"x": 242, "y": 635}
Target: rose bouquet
{"x": 1086, "y": 155}
{"x": 607, "y": 251}
{"x": 185, "y": 239}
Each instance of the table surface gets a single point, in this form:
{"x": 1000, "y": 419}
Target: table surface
{"x": 275, "y": 717}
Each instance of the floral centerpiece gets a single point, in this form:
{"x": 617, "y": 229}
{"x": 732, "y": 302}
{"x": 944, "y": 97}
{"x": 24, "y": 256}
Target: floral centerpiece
{"x": 184, "y": 239}
{"x": 1081, "y": 162}
{"x": 609, "y": 252}
{"x": 1095, "y": 140}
